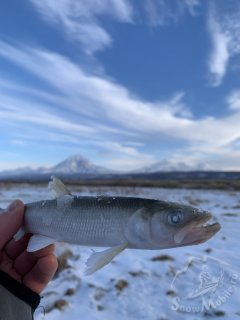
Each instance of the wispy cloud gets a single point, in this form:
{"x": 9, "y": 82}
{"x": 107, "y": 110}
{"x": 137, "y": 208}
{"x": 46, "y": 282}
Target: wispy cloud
{"x": 163, "y": 12}
{"x": 192, "y": 6}
{"x": 233, "y": 100}
{"x": 220, "y": 53}
{"x": 224, "y": 29}
{"x": 99, "y": 112}
{"x": 110, "y": 99}
{"x": 35, "y": 114}
{"x": 79, "y": 19}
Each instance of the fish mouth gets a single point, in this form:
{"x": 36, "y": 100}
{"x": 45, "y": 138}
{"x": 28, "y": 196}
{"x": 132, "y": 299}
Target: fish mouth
{"x": 197, "y": 231}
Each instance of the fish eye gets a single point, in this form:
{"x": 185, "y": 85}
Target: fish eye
{"x": 175, "y": 218}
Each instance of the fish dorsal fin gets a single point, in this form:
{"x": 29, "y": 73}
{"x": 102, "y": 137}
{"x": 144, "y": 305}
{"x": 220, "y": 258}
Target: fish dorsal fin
{"x": 38, "y": 242}
{"x": 58, "y": 188}
{"x": 99, "y": 259}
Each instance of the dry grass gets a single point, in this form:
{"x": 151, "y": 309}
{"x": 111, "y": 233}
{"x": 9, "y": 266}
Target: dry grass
{"x": 121, "y": 285}
{"x": 63, "y": 261}
{"x": 224, "y": 184}
{"x": 163, "y": 257}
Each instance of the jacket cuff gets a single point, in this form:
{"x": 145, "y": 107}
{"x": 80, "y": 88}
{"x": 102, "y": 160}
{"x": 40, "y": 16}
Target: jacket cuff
{"x": 20, "y": 290}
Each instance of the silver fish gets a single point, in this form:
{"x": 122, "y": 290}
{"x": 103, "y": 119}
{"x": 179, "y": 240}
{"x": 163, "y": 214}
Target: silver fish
{"x": 115, "y": 222}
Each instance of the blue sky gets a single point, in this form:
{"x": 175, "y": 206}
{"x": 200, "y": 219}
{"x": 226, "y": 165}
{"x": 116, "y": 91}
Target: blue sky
{"x": 124, "y": 83}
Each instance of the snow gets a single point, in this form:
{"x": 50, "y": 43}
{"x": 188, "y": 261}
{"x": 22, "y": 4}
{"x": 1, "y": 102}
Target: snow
{"x": 170, "y": 165}
{"x": 78, "y": 164}
{"x": 74, "y": 164}
{"x": 134, "y": 285}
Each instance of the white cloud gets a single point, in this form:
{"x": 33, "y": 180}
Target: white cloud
{"x": 163, "y": 12}
{"x": 224, "y": 30}
{"x": 97, "y": 110}
{"x": 112, "y": 99}
{"x": 192, "y": 6}
{"x": 80, "y": 21}
{"x": 233, "y": 100}
{"x": 80, "y": 18}
{"x": 33, "y": 113}
{"x": 124, "y": 158}
{"x": 220, "y": 54}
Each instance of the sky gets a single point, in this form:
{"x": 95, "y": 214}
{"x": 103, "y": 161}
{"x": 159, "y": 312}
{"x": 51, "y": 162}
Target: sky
{"x": 124, "y": 83}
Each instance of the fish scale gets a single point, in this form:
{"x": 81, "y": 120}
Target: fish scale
{"x": 118, "y": 222}
{"x": 88, "y": 221}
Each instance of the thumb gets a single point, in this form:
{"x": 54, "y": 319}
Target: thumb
{"x": 11, "y": 220}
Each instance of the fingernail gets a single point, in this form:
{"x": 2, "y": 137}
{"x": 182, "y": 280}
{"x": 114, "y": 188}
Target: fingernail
{"x": 14, "y": 205}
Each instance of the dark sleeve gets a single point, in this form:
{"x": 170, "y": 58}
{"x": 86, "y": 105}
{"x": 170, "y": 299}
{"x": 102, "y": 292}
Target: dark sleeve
{"x": 16, "y": 300}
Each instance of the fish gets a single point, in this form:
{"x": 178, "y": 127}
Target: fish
{"x": 114, "y": 222}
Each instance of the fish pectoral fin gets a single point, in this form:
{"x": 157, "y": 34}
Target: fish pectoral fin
{"x": 58, "y": 188}
{"x": 19, "y": 234}
{"x": 38, "y": 242}
{"x": 99, "y": 259}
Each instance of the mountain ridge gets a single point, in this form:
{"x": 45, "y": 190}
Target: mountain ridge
{"x": 74, "y": 164}
{"x": 170, "y": 166}
{"x": 79, "y": 165}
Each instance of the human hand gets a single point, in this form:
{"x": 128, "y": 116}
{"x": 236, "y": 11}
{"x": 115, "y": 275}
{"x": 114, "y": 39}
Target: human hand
{"x": 34, "y": 269}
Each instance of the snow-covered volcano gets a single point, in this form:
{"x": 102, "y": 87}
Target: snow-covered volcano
{"x": 78, "y": 164}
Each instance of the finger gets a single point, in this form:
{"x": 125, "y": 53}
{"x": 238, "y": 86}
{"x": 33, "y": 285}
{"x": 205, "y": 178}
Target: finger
{"x": 41, "y": 273}
{"x": 10, "y": 221}
{"x": 44, "y": 252}
{"x": 25, "y": 262}
{"x": 6, "y": 265}
{"x": 14, "y": 248}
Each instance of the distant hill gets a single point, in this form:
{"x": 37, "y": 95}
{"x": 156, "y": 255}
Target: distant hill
{"x": 166, "y": 173}
{"x": 170, "y": 166}
{"x": 22, "y": 172}
{"x": 73, "y": 165}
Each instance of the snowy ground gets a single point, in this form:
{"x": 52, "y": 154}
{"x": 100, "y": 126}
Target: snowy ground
{"x": 140, "y": 284}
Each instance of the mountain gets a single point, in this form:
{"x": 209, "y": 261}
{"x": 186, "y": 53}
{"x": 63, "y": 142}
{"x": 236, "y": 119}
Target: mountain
{"x": 168, "y": 166}
{"x": 77, "y": 168}
{"x": 17, "y": 171}
{"x": 73, "y": 165}
{"x": 78, "y": 164}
